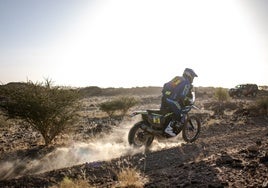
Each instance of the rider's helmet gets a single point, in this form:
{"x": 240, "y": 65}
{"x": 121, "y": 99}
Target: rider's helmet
{"x": 189, "y": 74}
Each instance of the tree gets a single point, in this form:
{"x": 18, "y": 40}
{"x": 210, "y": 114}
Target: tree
{"x": 49, "y": 110}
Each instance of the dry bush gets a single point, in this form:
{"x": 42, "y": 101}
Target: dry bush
{"x": 255, "y": 108}
{"x": 4, "y": 122}
{"x": 68, "y": 183}
{"x": 221, "y": 96}
{"x": 110, "y": 107}
{"x": 262, "y": 105}
{"x": 130, "y": 177}
{"x": 120, "y": 104}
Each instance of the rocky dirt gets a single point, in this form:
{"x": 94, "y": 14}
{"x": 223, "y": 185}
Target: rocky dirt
{"x": 231, "y": 151}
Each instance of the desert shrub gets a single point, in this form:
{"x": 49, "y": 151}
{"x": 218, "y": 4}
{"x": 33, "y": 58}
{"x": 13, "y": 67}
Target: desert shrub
{"x": 262, "y": 105}
{"x": 121, "y": 104}
{"x": 69, "y": 183}
{"x": 47, "y": 109}
{"x": 109, "y": 107}
{"x": 130, "y": 177}
{"x": 127, "y": 103}
{"x": 3, "y": 121}
{"x": 221, "y": 96}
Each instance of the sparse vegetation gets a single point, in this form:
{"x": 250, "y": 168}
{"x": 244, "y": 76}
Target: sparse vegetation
{"x": 121, "y": 105}
{"x": 3, "y": 121}
{"x": 127, "y": 103}
{"x": 221, "y": 96}
{"x": 69, "y": 183}
{"x": 130, "y": 177}
{"x": 109, "y": 107}
{"x": 49, "y": 110}
{"x": 262, "y": 105}
{"x": 227, "y": 145}
{"x": 127, "y": 177}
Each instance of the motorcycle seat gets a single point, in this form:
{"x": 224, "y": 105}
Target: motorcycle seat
{"x": 155, "y": 112}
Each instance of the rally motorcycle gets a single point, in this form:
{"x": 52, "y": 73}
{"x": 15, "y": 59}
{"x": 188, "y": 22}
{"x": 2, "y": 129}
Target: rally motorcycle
{"x": 154, "y": 122}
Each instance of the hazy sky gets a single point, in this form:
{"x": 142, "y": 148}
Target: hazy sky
{"x": 129, "y": 43}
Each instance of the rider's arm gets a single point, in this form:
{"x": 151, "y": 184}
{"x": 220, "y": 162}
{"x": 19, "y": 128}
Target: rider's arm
{"x": 183, "y": 92}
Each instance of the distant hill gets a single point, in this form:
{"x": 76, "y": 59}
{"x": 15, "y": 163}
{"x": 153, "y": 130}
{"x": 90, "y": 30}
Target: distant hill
{"x": 96, "y": 91}
{"x": 150, "y": 90}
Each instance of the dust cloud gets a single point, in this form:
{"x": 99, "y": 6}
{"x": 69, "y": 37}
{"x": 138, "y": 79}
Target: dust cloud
{"x": 107, "y": 147}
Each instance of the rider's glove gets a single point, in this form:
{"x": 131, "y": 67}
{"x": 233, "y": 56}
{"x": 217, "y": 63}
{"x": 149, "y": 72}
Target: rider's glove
{"x": 188, "y": 101}
{"x": 191, "y": 101}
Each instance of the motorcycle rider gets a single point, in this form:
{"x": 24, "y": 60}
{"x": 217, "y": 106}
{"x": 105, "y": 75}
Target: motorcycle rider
{"x": 174, "y": 96}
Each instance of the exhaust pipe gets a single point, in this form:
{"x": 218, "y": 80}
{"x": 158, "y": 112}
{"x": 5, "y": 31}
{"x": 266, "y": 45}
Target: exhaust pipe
{"x": 150, "y": 130}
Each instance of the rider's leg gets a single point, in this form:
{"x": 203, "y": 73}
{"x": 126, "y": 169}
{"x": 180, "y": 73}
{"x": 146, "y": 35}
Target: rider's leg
{"x": 176, "y": 108}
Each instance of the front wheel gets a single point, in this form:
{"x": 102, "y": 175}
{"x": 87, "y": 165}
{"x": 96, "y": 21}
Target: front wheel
{"x": 191, "y": 129}
{"x": 137, "y": 137}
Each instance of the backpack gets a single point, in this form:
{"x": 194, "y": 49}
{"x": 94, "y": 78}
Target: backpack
{"x": 169, "y": 87}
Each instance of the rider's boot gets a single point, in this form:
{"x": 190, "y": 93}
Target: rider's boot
{"x": 169, "y": 129}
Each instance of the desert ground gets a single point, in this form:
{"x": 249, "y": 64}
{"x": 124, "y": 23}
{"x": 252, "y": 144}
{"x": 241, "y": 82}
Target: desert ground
{"x": 231, "y": 151}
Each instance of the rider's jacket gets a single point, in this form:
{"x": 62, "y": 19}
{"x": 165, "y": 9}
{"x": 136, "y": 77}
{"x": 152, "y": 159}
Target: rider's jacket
{"x": 177, "y": 89}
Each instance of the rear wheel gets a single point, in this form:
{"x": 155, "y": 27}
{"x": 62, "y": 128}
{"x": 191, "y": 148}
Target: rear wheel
{"x": 191, "y": 129}
{"x": 137, "y": 137}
